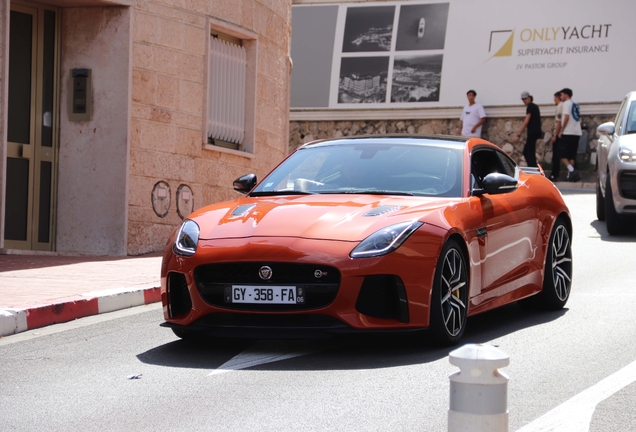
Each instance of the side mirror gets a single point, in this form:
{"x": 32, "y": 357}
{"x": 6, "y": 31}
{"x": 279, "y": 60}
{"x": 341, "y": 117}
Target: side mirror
{"x": 496, "y": 183}
{"x": 606, "y": 128}
{"x": 245, "y": 183}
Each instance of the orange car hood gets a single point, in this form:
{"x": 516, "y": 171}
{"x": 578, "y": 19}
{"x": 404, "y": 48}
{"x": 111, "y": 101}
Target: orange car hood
{"x": 328, "y": 217}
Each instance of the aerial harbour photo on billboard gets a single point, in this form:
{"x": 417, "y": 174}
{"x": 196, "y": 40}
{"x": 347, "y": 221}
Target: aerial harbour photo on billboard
{"x": 417, "y": 78}
{"x": 368, "y": 29}
{"x": 363, "y": 79}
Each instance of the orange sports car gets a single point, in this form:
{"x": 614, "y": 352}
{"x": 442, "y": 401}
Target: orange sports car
{"x": 364, "y": 234}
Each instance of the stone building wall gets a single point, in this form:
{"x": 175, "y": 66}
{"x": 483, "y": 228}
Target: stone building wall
{"x": 168, "y": 96}
{"x": 500, "y": 131}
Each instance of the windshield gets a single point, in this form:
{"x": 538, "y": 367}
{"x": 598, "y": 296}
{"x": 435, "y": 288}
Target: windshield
{"x": 631, "y": 119}
{"x": 390, "y": 169}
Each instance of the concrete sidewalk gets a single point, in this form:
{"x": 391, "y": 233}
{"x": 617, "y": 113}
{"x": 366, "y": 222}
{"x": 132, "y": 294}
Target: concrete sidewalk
{"x": 40, "y": 290}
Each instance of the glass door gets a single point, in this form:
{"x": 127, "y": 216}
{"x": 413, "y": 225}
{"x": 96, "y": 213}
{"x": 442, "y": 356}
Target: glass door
{"x": 32, "y": 127}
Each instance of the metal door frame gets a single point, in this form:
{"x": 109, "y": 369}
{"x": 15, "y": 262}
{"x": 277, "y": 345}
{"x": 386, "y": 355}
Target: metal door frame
{"x": 35, "y": 151}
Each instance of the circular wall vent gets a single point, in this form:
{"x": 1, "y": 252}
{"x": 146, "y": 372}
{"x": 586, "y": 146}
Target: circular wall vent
{"x": 161, "y": 198}
{"x": 185, "y": 201}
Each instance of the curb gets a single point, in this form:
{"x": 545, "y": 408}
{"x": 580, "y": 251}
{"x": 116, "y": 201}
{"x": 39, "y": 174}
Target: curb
{"x": 563, "y": 185}
{"x": 17, "y": 320}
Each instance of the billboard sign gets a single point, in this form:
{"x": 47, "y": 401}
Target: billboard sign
{"x": 427, "y": 54}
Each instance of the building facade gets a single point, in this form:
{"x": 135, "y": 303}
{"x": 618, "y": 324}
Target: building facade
{"x": 120, "y": 117}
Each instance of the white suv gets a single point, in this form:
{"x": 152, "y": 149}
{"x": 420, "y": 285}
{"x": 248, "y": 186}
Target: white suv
{"x": 616, "y": 180}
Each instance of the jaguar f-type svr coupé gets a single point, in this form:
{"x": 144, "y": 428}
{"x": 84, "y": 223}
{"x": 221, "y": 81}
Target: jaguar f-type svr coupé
{"x": 383, "y": 233}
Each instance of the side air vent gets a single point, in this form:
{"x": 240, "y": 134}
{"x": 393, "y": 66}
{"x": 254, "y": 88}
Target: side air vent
{"x": 381, "y": 210}
{"x": 241, "y": 210}
{"x": 179, "y": 301}
{"x": 383, "y": 296}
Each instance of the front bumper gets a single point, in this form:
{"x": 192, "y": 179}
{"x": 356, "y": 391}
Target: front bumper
{"x": 387, "y": 293}
{"x": 624, "y": 182}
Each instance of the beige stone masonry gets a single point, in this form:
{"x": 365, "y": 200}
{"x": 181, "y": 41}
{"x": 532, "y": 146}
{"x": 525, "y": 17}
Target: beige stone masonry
{"x": 169, "y": 104}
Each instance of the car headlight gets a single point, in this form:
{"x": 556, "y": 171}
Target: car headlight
{"x": 187, "y": 239}
{"x": 385, "y": 240}
{"x": 626, "y": 154}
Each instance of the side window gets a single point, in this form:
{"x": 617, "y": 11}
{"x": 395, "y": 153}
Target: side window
{"x": 631, "y": 119}
{"x": 484, "y": 162}
{"x": 231, "y": 90}
{"x": 509, "y": 165}
{"x": 618, "y": 121}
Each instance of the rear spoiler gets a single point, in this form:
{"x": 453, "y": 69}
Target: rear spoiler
{"x": 532, "y": 170}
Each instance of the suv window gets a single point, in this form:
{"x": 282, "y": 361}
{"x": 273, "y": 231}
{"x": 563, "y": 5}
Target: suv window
{"x": 630, "y": 126}
{"x": 618, "y": 122}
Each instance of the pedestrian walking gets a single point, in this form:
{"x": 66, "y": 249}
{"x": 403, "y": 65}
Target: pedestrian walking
{"x": 532, "y": 122}
{"x": 555, "y": 140}
{"x": 570, "y": 134}
{"x": 473, "y": 116}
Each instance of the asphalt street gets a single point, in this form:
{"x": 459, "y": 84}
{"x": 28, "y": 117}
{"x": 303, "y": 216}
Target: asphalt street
{"x": 572, "y": 369}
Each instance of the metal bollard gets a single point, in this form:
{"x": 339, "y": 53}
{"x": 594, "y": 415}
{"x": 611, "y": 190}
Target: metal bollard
{"x": 478, "y": 392}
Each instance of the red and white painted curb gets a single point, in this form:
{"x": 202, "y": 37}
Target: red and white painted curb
{"x": 17, "y": 320}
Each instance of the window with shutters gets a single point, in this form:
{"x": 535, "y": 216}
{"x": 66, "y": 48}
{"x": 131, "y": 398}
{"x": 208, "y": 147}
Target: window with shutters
{"x": 231, "y": 104}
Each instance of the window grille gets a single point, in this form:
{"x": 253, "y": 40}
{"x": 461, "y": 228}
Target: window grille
{"x": 226, "y": 110}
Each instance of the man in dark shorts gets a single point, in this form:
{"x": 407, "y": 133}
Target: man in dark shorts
{"x": 570, "y": 135}
{"x": 556, "y": 142}
{"x": 533, "y": 122}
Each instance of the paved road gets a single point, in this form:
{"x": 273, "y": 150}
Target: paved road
{"x": 120, "y": 371}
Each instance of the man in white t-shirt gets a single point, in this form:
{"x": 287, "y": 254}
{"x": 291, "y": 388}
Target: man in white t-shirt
{"x": 473, "y": 116}
{"x": 556, "y": 141}
{"x": 570, "y": 134}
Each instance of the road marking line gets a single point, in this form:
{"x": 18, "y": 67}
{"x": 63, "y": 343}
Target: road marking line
{"x": 264, "y": 351}
{"x": 575, "y": 414}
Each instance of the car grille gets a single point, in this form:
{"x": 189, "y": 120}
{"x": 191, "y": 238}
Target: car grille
{"x": 627, "y": 184}
{"x": 319, "y": 283}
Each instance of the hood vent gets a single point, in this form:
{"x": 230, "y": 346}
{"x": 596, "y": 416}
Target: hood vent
{"x": 381, "y": 210}
{"x": 241, "y": 210}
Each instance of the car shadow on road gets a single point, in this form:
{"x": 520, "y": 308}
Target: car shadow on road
{"x": 601, "y": 228}
{"x": 342, "y": 352}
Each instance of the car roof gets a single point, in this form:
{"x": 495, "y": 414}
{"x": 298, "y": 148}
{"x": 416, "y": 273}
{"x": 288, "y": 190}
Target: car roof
{"x": 405, "y": 139}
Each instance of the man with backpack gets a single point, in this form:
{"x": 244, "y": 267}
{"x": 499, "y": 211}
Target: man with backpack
{"x": 570, "y": 134}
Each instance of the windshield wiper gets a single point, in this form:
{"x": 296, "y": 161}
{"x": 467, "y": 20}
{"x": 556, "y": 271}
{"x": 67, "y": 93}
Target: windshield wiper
{"x": 369, "y": 192}
{"x": 280, "y": 192}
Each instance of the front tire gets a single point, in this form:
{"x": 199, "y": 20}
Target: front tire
{"x": 449, "y": 301}
{"x": 616, "y": 224}
{"x": 600, "y": 202}
{"x": 557, "y": 279}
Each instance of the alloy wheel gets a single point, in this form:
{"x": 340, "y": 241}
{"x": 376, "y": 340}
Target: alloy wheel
{"x": 561, "y": 263}
{"x": 454, "y": 292}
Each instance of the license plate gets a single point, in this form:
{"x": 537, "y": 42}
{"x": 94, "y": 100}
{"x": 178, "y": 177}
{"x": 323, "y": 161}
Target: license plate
{"x": 267, "y": 294}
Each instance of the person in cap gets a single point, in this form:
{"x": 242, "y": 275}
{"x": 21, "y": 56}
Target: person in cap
{"x": 473, "y": 116}
{"x": 532, "y": 122}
